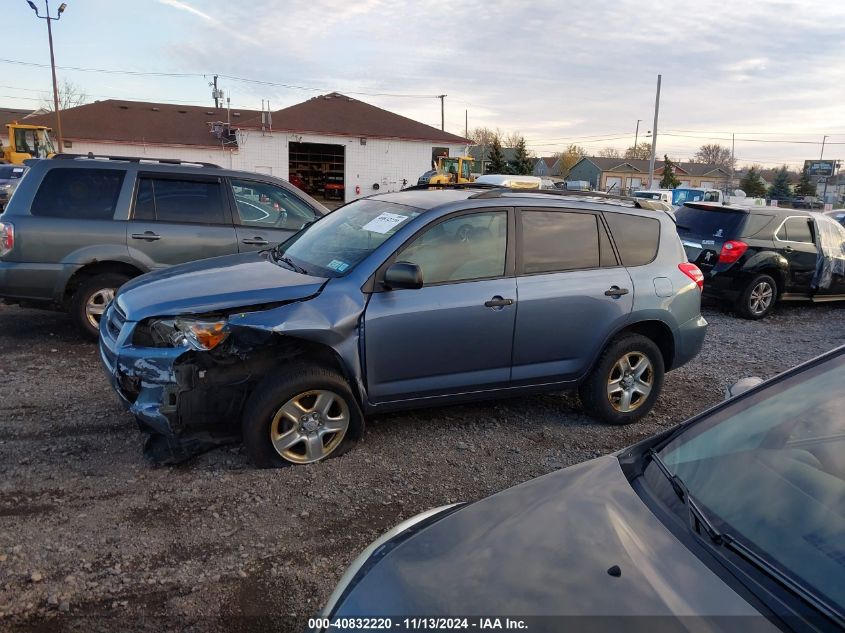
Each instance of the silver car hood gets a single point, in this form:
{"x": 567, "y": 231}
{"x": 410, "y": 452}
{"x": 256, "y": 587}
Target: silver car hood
{"x": 545, "y": 548}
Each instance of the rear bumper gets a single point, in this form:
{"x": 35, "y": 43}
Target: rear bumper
{"x": 726, "y": 287}
{"x": 689, "y": 338}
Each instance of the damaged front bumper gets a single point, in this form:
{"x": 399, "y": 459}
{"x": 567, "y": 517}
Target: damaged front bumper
{"x": 166, "y": 393}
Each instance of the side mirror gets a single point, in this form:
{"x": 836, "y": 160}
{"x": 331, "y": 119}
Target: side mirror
{"x": 403, "y": 275}
{"x": 742, "y": 385}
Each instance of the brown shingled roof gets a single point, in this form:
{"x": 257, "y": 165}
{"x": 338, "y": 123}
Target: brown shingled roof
{"x": 141, "y": 122}
{"x": 7, "y": 115}
{"x": 337, "y": 114}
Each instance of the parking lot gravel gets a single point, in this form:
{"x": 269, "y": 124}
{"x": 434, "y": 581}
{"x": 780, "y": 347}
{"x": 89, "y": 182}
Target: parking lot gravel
{"x": 93, "y": 538}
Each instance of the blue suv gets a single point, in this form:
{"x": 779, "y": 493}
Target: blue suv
{"x": 405, "y": 300}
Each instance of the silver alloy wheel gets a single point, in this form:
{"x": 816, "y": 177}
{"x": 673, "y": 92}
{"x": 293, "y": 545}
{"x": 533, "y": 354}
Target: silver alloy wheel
{"x": 761, "y": 297}
{"x": 630, "y": 381}
{"x": 97, "y": 304}
{"x": 309, "y": 426}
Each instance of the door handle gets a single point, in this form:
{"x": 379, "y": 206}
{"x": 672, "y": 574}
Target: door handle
{"x": 256, "y": 240}
{"x": 146, "y": 235}
{"x": 788, "y": 249}
{"x": 498, "y": 302}
{"x": 615, "y": 291}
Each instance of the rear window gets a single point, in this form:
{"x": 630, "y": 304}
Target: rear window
{"x": 709, "y": 222}
{"x": 84, "y": 194}
{"x": 637, "y": 238}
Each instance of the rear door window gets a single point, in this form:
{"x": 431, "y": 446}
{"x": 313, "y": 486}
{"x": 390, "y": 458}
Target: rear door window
{"x": 82, "y": 194}
{"x": 555, "y": 241}
{"x": 177, "y": 200}
{"x": 637, "y": 238}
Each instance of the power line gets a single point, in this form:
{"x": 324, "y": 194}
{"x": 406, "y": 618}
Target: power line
{"x": 204, "y": 75}
{"x": 749, "y": 140}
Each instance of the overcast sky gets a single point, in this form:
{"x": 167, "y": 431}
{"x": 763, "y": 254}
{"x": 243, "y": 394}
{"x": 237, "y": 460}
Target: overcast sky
{"x": 559, "y": 72}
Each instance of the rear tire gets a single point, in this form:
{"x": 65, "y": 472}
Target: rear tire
{"x": 758, "y": 299}
{"x": 90, "y": 300}
{"x": 289, "y": 418}
{"x": 626, "y": 381}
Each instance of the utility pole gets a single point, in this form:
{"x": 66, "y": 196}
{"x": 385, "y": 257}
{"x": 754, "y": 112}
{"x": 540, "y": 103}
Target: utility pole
{"x": 654, "y": 135}
{"x": 466, "y": 123}
{"x": 636, "y": 135}
{"x": 821, "y": 156}
{"x": 442, "y": 112}
{"x": 49, "y": 19}
{"x": 215, "y": 94}
{"x": 733, "y": 159}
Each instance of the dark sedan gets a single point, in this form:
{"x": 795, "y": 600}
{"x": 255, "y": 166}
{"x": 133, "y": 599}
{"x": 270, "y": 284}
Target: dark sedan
{"x": 733, "y": 520}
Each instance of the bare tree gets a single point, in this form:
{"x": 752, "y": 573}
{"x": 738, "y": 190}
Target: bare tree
{"x": 609, "y": 152}
{"x": 482, "y": 135}
{"x": 70, "y": 96}
{"x": 714, "y": 154}
{"x": 568, "y": 158}
{"x": 510, "y": 139}
{"x": 642, "y": 151}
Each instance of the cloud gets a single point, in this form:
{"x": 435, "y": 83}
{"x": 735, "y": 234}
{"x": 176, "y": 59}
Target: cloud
{"x": 184, "y": 6}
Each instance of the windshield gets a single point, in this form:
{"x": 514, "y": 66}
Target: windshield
{"x": 11, "y": 172}
{"x": 770, "y": 471}
{"x": 35, "y": 142}
{"x": 709, "y": 222}
{"x": 332, "y": 246}
{"x": 679, "y": 196}
{"x": 648, "y": 195}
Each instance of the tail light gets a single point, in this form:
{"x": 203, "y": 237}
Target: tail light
{"x": 732, "y": 250}
{"x": 692, "y": 271}
{"x": 7, "y": 238}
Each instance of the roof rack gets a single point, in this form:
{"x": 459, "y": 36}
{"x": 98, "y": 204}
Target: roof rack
{"x": 498, "y": 192}
{"x": 134, "y": 159}
{"x": 452, "y": 185}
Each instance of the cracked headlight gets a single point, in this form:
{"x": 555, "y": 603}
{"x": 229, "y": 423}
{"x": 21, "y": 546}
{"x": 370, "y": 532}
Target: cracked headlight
{"x": 200, "y": 334}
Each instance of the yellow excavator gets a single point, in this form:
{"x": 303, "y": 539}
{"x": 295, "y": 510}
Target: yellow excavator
{"x": 450, "y": 170}
{"x": 27, "y": 141}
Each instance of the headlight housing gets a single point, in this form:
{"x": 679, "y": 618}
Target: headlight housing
{"x": 199, "y": 334}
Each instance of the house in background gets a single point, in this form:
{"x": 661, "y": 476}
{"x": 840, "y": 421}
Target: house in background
{"x": 331, "y": 139}
{"x": 546, "y": 166}
{"x": 622, "y": 175}
{"x": 481, "y": 159}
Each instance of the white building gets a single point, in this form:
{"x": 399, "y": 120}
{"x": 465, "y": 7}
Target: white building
{"x": 338, "y": 146}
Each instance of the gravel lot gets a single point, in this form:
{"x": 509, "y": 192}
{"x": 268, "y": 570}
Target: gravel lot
{"x": 94, "y": 538}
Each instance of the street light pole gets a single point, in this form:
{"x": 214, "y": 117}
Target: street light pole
{"x": 49, "y": 19}
{"x": 636, "y": 134}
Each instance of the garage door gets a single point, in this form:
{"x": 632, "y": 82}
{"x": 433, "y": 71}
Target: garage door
{"x": 613, "y": 183}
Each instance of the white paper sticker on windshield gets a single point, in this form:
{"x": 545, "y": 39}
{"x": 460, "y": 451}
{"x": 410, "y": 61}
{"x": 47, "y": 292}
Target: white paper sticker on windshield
{"x": 384, "y": 223}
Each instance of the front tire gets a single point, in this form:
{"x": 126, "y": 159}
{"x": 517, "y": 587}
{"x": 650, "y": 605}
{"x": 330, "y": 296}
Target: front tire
{"x": 626, "y": 381}
{"x": 758, "y": 299}
{"x": 90, "y": 300}
{"x": 306, "y": 415}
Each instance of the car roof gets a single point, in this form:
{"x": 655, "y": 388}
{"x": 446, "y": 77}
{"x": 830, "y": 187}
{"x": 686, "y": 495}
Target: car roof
{"x": 711, "y": 206}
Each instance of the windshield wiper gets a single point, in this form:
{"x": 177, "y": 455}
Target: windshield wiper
{"x": 277, "y": 255}
{"x": 698, "y": 520}
{"x": 697, "y": 517}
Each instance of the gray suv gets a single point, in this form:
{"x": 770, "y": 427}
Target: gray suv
{"x": 405, "y": 300}
{"x": 79, "y": 227}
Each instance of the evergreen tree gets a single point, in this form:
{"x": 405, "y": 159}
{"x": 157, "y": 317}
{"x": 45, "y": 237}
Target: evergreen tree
{"x": 496, "y": 157}
{"x": 752, "y": 184}
{"x": 805, "y": 185}
{"x": 669, "y": 180}
{"x": 780, "y": 189}
{"x": 524, "y": 164}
